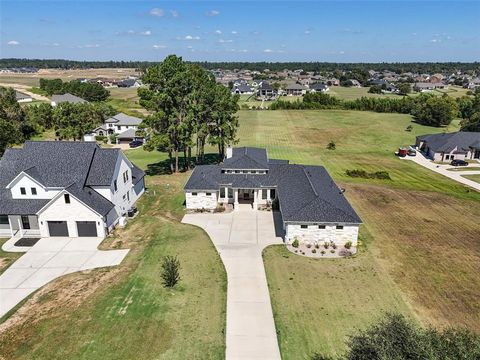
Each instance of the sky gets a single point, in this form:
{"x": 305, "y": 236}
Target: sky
{"x": 332, "y": 31}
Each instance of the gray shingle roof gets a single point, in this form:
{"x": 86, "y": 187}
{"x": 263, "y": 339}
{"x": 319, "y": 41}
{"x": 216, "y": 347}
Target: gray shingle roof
{"x": 71, "y": 165}
{"x": 67, "y": 98}
{"x": 137, "y": 174}
{"x": 21, "y": 96}
{"x": 128, "y": 134}
{"x": 306, "y": 193}
{"x": 247, "y": 158}
{"x": 462, "y": 140}
{"x": 124, "y": 119}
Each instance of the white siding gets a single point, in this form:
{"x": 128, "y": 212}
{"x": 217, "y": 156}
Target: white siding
{"x": 313, "y": 233}
{"x": 27, "y": 183}
{"x": 58, "y": 210}
{"x": 201, "y": 200}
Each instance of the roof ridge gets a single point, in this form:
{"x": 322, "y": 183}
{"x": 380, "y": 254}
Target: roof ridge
{"x": 310, "y": 181}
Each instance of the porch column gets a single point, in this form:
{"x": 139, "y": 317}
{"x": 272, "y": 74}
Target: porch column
{"x": 255, "y": 199}
{"x": 20, "y": 228}
{"x": 235, "y": 192}
{"x": 10, "y": 224}
{"x": 225, "y": 199}
{"x": 268, "y": 195}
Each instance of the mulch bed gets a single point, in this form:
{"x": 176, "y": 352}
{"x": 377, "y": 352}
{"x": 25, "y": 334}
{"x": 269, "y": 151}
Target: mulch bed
{"x": 26, "y": 242}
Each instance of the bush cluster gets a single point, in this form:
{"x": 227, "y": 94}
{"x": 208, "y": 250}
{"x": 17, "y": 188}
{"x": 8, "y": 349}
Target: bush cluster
{"x": 382, "y": 175}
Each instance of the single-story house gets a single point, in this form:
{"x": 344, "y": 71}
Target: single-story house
{"x": 461, "y": 145}
{"x": 312, "y": 207}
{"x": 123, "y": 125}
{"x": 65, "y": 189}
{"x": 426, "y": 86}
{"x": 242, "y": 89}
{"x": 318, "y": 87}
{"x": 295, "y": 90}
{"x": 22, "y": 98}
{"x": 57, "y": 99}
{"x": 129, "y": 83}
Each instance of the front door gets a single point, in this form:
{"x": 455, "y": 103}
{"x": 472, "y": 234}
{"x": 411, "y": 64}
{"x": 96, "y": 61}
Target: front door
{"x": 476, "y": 155}
{"x": 25, "y": 223}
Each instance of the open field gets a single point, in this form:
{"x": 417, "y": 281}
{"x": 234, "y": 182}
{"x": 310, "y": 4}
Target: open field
{"x": 125, "y": 312}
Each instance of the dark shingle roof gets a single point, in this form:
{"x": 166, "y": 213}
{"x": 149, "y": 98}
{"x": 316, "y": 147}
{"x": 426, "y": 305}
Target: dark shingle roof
{"x": 462, "y": 140}
{"x": 306, "y": 193}
{"x": 71, "y": 165}
{"x": 247, "y": 158}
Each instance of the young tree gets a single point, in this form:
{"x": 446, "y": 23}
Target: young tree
{"x": 435, "y": 110}
{"x": 170, "y": 271}
{"x": 14, "y": 128}
{"x": 404, "y": 88}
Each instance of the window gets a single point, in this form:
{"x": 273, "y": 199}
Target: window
{"x": 208, "y": 194}
{"x": 194, "y": 194}
{"x": 222, "y": 193}
{"x": 119, "y": 127}
{"x": 115, "y": 187}
{"x": 34, "y": 191}
{"x": 66, "y": 198}
{"x": 304, "y": 226}
{"x": 25, "y": 222}
{"x": 339, "y": 227}
{"x": 4, "y": 220}
{"x": 128, "y": 195}
{"x": 230, "y": 193}
{"x": 125, "y": 176}
{"x": 237, "y": 171}
{"x": 264, "y": 193}
{"x": 23, "y": 191}
{"x": 110, "y": 125}
{"x": 321, "y": 226}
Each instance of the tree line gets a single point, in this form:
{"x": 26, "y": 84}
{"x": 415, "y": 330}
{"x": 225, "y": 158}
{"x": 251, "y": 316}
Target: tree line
{"x": 87, "y": 91}
{"x": 69, "y": 121}
{"x": 427, "y": 109}
{"x": 415, "y": 67}
{"x": 188, "y": 108}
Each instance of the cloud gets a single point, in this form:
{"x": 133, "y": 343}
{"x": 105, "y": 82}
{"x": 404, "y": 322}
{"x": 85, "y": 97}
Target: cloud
{"x": 225, "y": 41}
{"x": 350, "y": 31}
{"x": 268, "y": 51}
{"x": 174, "y": 13}
{"x": 212, "y": 13}
{"x": 157, "y": 12}
{"x": 13, "y": 43}
{"x": 146, "y": 33}
{"x": 435, "y": 41}
{"x": 190, "y": 37}
{"x": 159, "y": 46}
{"x": 218, "y": 32}
{"x": 307, "y": 32}
{"x": 92, "y": 46}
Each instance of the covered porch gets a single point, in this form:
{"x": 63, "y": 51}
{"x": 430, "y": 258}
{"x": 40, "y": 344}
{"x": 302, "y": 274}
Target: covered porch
{"x": 18, "y": 226}
{"x": 247, "y": 196}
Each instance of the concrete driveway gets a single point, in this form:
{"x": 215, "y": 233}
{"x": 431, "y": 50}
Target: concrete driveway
{"x": 47, "y": 260}
{"x": 240, "y": 237}
{"x": 442, "y": 170}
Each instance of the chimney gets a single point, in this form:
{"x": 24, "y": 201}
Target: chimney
{"x": 229, "y": 151}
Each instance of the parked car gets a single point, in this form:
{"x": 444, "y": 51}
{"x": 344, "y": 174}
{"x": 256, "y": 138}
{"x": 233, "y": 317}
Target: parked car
{"x": 459, "y": 162}
{"x": 135, "y": 143}
{"x": 411, "y": 152}
{"x": 402, "y": 152}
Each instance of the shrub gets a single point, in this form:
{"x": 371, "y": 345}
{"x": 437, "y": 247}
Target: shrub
{"x": 409, "y": 128}
{"x": 170, "y": 271}
{"x": 314, "y": 251}
{"x": 317, "y": 246}
{"x": 331, "y": 145}
{"x": 309, "y": 245}
{"x": 220, "y": 208}
{"x": 322, "y": 252}
{"x": 356, "y": 173}
{"x": 113, "y": 138}
{"x": 100, "y": 138}
{"x": 326, "y": 244}
{"x": 275, "y": 205}
{"x": 348, "y": 245}
{"x": 332, "y": 251}
{"x": 295, "y": 243}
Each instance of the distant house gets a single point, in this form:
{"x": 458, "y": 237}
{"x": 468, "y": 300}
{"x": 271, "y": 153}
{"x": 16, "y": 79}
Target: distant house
{"x": 22, "y": 98}
{"x": 318, "y": 87}
{"x": 266, "y": 91}
{"x": 355, "y": 83}
{"x": 124, "y": 126}
{"x": 461, "y": 145}
{"x": 242, "y": 89}
{"x": 129, "y": 83}
{"x": 426, "y": 86}
{"x": 436, "y": 78}
{"x": 295, "y": 90}
{"x": 57, "y": 99}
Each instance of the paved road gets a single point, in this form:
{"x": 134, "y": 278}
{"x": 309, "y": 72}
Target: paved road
{"x": 240, "y": 237}
{"x": 442, "y": 169}
{"x": 47, "y": 260}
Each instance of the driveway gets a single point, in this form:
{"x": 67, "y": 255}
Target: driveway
{"x": 442, "y": 169}
{"x": 47, "y": 260}
{"x": 239, "y": 238}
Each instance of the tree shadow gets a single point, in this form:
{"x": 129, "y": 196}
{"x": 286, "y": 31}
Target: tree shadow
{"x": 163, "y": 167}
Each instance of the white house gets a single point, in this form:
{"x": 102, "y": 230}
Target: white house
{"x": 313, "y": 208}
{"x": 445, "y": 147}
{"x": 68, "y": 189}
{"x": 124, "y": 126}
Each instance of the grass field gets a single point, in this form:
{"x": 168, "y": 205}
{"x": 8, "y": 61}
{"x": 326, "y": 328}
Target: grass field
{"x": 125, "y": 312}
{"x": 6, "y": 258}
{"x": 473, "y": 177}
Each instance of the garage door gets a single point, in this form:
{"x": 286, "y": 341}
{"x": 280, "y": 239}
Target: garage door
{"x": 57, "y": 228}
{"x": 87, "y": 228}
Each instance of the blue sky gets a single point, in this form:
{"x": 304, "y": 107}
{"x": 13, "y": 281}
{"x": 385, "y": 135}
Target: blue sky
{"x": 343, "y": 31}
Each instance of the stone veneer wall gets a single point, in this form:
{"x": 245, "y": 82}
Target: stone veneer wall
{"x": 201, "y": 200}
{"x": 330, "y": 233}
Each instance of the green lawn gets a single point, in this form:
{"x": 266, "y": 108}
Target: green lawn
{"x": 6, "y": 258}
{"x": 473, "y": 177}
{"x": 125, "y": 312}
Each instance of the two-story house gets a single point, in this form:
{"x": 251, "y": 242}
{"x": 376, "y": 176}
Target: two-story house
{"x": 124, "y": 126}
{"x": 312, "y": 207}
{"x": 68, "y": 189}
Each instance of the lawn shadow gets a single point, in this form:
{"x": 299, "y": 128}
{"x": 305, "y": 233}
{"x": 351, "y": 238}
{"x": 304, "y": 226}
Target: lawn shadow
{"x": 163, "y": 167}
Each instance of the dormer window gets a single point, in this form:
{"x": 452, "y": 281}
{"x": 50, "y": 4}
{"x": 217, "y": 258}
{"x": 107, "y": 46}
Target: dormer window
{"x": 23, "y": 191}
{"x": 66, "y": 197}
{"x": 34, "y": 191}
